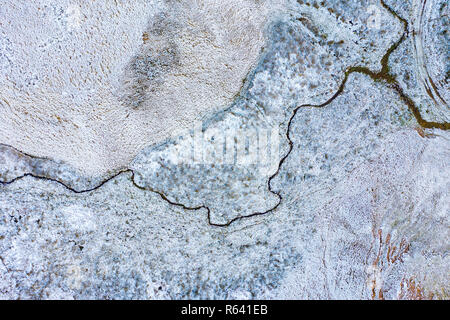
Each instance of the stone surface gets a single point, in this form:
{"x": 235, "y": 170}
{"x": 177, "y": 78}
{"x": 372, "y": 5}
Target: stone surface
{"x": 421, "y": 62}
{"x": 93, "y": 83}
{"x": 319, "y": 169}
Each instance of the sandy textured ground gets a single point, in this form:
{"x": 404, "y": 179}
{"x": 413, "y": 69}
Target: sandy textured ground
{"x": 99, "y": 199}
{"x": 92, "y": 83}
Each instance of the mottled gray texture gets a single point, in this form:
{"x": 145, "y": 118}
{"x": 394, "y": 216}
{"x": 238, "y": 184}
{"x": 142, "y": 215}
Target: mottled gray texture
{"x": 422, "y": 63}
{"x": 358, "y": 176}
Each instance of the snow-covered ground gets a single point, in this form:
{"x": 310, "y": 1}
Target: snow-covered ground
{"x": 223, "y": 149}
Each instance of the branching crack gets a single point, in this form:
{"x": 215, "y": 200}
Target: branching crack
{"x": 383, "y": 75}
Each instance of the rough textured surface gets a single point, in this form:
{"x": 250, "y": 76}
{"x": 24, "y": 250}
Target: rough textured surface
{"x": 324, "y": 175}
{"x": 422, "y": 62}
{"x": 93, "y": 83}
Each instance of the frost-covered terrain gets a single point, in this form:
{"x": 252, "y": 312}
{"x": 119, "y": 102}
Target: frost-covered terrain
{"x": 235, "y": 149}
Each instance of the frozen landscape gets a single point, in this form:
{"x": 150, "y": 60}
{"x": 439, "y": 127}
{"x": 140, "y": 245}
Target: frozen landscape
{"x": 224, "y": 149}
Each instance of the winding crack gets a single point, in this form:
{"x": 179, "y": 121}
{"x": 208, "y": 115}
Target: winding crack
{"x": 383, "y": 75}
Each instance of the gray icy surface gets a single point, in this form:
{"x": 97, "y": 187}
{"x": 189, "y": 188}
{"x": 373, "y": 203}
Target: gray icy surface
{"x": 352, "y": 202}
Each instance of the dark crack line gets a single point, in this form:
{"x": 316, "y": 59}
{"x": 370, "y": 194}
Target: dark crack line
{"x": 63, "y": 184}
{"x": 162, "y": 195}
{"x": 383, "y": 75}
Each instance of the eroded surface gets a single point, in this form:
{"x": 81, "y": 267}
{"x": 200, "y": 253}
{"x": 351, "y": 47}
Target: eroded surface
{"x": 353, "y": 205}
{"x": 93, "y": 83}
